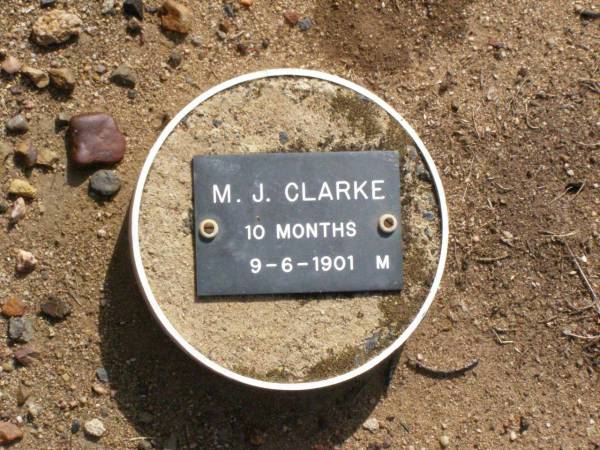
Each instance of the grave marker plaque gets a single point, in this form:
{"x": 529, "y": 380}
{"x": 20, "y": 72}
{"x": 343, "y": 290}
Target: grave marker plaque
{"x": 290, "y": 223}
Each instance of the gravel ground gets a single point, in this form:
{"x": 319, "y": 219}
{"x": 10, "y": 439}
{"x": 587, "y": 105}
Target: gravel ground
{"x": 505, "y": 96}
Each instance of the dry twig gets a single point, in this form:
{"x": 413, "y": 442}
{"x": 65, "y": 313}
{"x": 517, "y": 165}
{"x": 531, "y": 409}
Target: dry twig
{"x": 551, "y": 234}
{"x": 490, "y": 259}
{"x": 437, "y": 373}
{"x": 579, "y": 336}
{"x": 584, "y": 278}
{"x": 499, "y": 340}
{"x": 532, "y": 127}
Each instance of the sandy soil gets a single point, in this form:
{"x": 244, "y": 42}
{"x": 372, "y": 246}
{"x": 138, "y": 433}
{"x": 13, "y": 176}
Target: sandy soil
{"x": 505, "y": 96}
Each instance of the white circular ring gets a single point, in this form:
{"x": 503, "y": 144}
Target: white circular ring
{"x": 145, "y": 285}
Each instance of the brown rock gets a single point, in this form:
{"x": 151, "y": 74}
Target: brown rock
{"x": 13, "y": 307}
{"x": 56, "y": 27}
{"x": 176, "y": 17}
{"x": 9, "y": 433}
{"x": 62, "y": 79}
{"x": 11, "y": 65}
{"x": 37, "y": 77}
{"x": 246, "y": 3}
{"x": 26, "y": 153}
{"x": 56, "y": 308}
{"x": 26, "y": 355}
{"x": 291, "y": 17}
{"x": 95, "y": 139}
{"x": 46, "y": 157}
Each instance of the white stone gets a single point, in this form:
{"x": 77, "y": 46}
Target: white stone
{"x": 371, "y": 424}
{"x": 94, "y": 428}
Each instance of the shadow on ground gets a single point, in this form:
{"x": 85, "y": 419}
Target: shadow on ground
{"x": 170, "y": 398}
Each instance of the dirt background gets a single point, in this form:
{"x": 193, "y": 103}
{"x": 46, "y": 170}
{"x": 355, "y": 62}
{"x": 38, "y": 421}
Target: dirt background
{"x": 505, "y": 96}
{"x": 284, "y": 338}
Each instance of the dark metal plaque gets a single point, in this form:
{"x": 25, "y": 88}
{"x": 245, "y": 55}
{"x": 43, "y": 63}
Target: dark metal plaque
{"x": 288, "y": 223}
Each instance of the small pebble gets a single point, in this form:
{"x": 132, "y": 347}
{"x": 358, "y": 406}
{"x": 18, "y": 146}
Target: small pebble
{"x": 102, "y": 374}
{"x": 26, "y": 355}
{"x": 22, "y": 188}
{"x": 13, "y": 307}
{"x": 47, "y": 3}
{"x": 444, "y": 441}
{"x": 26, "y": 153}
{"x": 46, "y": 158}
{"x": 291, "y": 17}
{"x": 20, "y": 329}
{"x": 513, "y": 436}
{"x": 18, "y": 211}
{"x": 305, "y": 24}
{"x": 56, "y": 308}
{"x": 422, "y": 173}
{"x": 196, "y": 41}
{"x": 9, "y": 433}
{"x": 26, "y": 262}
{"x": 124, "y": 76}
{"x": 176, "y": 17}
{"x": 524, "y": 424}
{"x": 11, "y": 65}
{"x": 175, "y": 59}
{"x": 105, "y": 183}
{"x": 283, "y": 137}
{"x": 94, "y": 428}
{"x": 99, "y": 389}
{"x": 56, "y": 27}
{"x": 17, "y": 124}
{"x": 429, "y": 216}
{"x": 33, "y": 409}
{"x": 371, "y": 424}
{"x": 63, "y": 79}
{"x": 101, "y": 233}
{"x": 75, "y": 426}
{"x": 38, "y": 77}
{"x": 242, "y": 48}
{"x": 108, "y": 7}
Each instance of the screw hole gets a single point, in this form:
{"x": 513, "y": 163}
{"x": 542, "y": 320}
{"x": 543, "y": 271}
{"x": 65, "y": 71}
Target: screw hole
{"x": 208, "y": 228}
{"x": 388, "y": 223}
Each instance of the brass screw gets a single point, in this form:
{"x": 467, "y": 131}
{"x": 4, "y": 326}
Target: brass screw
{"x": 208, "y": 228}
{"x": 388, "y": 223}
